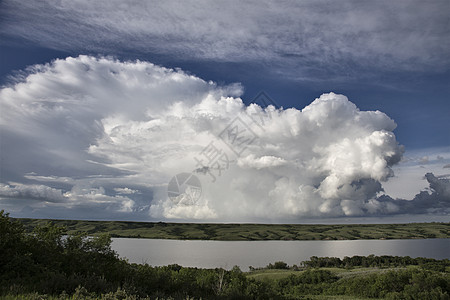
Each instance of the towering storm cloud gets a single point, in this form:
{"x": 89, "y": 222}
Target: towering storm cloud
{"x": 97, "y": 134}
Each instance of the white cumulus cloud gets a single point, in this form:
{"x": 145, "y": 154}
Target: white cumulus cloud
{"x": 103, "y": 133}
{"x": 31, "y": 191}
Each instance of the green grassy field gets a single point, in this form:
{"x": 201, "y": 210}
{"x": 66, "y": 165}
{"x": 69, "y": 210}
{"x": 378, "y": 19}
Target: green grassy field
{"x": 277, "y": 274}
{"x": 274, "y": 275}
{"x": 243, "y": 232}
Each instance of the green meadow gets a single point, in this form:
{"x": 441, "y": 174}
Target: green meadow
{"x": 245, "y": 232}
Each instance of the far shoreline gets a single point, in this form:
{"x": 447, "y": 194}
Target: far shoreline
{"x": 248, "y": 231}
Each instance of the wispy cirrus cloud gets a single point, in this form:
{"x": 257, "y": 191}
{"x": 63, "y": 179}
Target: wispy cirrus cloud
{"x": 312, "y": 38}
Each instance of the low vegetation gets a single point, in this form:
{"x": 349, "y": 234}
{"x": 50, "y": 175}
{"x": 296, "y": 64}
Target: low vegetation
{"x": 241, "y": 232}
{"x": 46, "y": 264}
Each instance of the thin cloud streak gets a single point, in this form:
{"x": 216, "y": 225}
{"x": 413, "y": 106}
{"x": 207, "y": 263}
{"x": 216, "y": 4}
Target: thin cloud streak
{"x": 315, "y": 39}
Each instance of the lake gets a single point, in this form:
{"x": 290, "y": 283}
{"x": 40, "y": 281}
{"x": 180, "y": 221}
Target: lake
{"x": 226, "y": 254}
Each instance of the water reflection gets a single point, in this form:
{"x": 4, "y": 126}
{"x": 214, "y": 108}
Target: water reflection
{"x": 226, "y": 254}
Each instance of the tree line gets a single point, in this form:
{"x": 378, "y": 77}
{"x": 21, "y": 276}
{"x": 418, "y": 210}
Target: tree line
{"x": 384, "y": 261}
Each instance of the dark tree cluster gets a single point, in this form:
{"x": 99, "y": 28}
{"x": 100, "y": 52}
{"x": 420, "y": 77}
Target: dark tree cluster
{"x": 47, "y": 262}
{"x": 384, "y": 261}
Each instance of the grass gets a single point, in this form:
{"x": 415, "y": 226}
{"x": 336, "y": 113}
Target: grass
{"x": 276, "y": 274}
{"x": 335, "y": 297}
{"x": 245, "y": 232}
{"x": 272, "y": 274}
{"x": 50, "y": 297}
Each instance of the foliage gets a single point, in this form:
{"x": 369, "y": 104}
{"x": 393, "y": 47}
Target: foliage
{"x": 280, "y": 265}
{"x": 384, "y": 261}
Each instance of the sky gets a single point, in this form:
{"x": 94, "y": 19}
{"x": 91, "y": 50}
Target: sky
{"x": 201, "y": 111}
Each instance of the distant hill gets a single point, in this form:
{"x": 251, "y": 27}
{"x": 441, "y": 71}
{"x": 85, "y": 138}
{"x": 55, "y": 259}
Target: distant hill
{"x": 243, "y": 232}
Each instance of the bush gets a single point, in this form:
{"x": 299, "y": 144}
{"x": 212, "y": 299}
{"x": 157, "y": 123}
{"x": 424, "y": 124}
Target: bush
{"x": 280, "y": 265}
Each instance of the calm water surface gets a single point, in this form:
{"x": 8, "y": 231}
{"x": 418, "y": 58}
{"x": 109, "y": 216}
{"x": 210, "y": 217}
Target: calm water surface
{"x": 226, "y": 254}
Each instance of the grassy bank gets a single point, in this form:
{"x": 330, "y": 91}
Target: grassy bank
{"x": 243, "y": 232}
